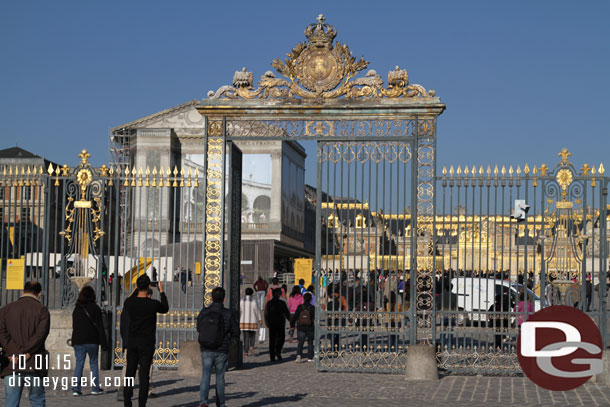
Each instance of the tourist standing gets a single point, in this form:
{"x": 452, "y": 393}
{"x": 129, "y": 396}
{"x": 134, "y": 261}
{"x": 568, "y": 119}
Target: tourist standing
{"x": 125, "y": 342}
{"x": 249, "y": 321}
{"x": 275, "y": 283}
{"x": 303, "y": 319}
{"x": 142, "y": 336}
{"x": 87, "y": 337}
{"x": 217, "y": 327}
{"x": 276, "y": 315}
{"x": 24, "y": 327}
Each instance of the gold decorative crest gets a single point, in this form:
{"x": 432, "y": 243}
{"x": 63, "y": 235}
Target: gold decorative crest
{"x": 320, "y": 69}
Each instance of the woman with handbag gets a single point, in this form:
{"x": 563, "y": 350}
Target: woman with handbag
{"x": 87, "y": 336}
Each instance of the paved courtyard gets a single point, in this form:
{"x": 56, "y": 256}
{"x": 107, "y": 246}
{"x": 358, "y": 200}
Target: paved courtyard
{"x": 286, "y": 383}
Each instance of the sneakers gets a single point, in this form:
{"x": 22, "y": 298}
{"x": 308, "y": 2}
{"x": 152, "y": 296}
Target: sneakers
{"x": 97, "y": 392}
{"x": 310, "y": 360}
{"x": 77, "y": 393}
{"x": 298, "y": 359}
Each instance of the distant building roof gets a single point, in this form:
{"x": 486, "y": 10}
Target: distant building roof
{"x": 139, "y": 122}
{"x": 17, "y": 152}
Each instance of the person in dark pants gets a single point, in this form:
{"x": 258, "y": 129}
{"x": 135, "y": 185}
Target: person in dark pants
{"x": 142, "y": 336}
{"x": 276, "y": 315}
{"x": 212, "y": 356}
{"x": 87, "y": 336}
{"x": 500, "y": 314}
{"x": 304, "y": 318}
{"x": 589, "y": 292}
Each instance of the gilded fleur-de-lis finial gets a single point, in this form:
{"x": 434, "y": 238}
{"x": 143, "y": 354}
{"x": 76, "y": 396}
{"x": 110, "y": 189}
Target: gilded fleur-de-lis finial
{"x": 84, "y": 156}
{"x": 320, "y": 18}
{"x": 564, "y": 154}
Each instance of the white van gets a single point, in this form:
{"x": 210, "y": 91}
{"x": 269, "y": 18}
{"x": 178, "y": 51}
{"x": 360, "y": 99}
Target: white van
{"x": 475, "y": 294}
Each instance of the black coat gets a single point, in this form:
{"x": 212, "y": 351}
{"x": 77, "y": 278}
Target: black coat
{"x": 88, "y": 329}
{"x": 276, "y": 313}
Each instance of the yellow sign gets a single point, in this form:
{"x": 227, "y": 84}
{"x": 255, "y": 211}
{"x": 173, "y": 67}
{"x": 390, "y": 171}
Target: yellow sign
{"x": 15, "y": 272}
{"x": 302, "y": 270}
{"x": 197, "y": 267}
{"x": 129, "y": 280}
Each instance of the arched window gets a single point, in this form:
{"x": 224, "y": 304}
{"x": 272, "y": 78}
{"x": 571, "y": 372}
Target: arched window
{"x": 262, "y": 208}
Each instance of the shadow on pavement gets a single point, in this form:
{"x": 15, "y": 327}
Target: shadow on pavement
{"x": 268, "y": 401}
{"x": 234, "y": 396}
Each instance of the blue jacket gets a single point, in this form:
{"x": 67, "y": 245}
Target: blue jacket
{"x": 231, "y": 326}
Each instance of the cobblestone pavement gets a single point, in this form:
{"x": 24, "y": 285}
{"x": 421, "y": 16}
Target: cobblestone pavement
{"x": 286, "y": 383}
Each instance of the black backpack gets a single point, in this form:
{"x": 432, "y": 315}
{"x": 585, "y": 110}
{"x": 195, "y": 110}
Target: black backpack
{"x": 304, "y": 318}
{"x": 211, "y": 328}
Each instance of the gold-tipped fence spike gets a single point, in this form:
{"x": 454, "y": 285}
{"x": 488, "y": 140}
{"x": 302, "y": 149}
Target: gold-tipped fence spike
{"x": 451, "y": 170}
{"x": 466, "y": 171}
{"x": 444, "y": 172}
{"x": 481, "y": 172}
{"x": 168, "y": 174}
{"x": 196, "y": 183}
{"x": 189, "y": 175}
{"x": 534, "y": 170}
{"x": 10, "y": 171}
{"x": 488, "y": 171}
{"x": 459, "y": 170}
{"x": 181, "y": 177}
{"x": 496, "y": 170}
{"x": 23, "y": 170}
{"x": 134, "y": 171}
{"x": 601, "y": 169}
{"x": 175, "y": 171}
{"x": 161, "y": 174}
{"x": 510, "y": 170}
{"x": 503, "y": 171}
{"x": 154, "y": 176}
{"x": 4, "y": 172}
{"x": 147, "y": 173}
{"x": 526, "y": 169}
{"x": 518, "y": 170}
{"x": 473, "y": 171}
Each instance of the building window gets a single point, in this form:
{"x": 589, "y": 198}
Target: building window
{"x": 2, "y": 192}
{"x": 25, "y": 214}
{"x": 332, "y": 221}
{"x": 27, "y": 193}
{"x": 360, "y": 221}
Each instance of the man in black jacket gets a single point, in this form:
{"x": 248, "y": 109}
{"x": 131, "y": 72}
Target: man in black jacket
{"x": 276, "y": 315}
{"x": 142, "y": 336}
{"x": 216, "y": 356}
{"x": 304, "y": 318}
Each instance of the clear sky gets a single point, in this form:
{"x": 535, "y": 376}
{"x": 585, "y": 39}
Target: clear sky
{"x": 521, "y": 79}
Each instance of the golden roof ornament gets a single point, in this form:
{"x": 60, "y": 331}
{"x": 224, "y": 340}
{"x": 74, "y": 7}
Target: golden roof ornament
{"x": 320, "y": 69}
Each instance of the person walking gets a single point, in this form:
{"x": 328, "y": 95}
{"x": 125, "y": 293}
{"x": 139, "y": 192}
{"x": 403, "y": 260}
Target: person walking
{"x": 87, "y": 337}
{"x": 260, "y": 289}
{"x": 217, "y": 327}
{"x": 24, "y": 327}
{"x": 249, "y": 320}
{"x": 303, "y": 319}
{"x": 276, "y": 315}
{"x": 294, "y": 300}
{"x": 275, "y": 283}
{"x": 142, "y": 336}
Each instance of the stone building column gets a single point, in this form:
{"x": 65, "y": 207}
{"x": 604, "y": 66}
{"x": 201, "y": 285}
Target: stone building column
{"x": 275, "y": 216}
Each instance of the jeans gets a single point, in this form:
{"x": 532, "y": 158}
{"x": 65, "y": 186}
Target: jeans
{"x": 13, "y": 387}
{"x": 301, "y": 337}
{"x": 139, "y": 357}
{"x": 209, "y": 359}
{"x": 81, "y": 352}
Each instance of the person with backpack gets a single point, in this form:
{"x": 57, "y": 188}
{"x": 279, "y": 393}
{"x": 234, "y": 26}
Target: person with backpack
{"x": 275, "y": 283}
{"x": 217, "y": 327}
{"x": 87, "y": 337}
{"x": 276, "y": 315}
{"x": 303, "y": 319}
{"x": 142, "y": 336}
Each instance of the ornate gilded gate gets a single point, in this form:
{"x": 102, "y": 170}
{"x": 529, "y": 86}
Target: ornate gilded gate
{"x": 375, "y": 179}
{"x": 502, "y": 235}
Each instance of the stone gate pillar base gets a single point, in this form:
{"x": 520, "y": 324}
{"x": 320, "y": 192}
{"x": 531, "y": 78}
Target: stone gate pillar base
{"x": 189, "y": 363}
{"x": 604, "y": 377}
{"x": 421, "y": 363}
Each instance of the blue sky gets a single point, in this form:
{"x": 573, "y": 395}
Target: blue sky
{"x": 521, "y": 79}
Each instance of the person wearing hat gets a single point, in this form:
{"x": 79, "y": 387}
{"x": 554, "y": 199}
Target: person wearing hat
{"x": 142, "y": 312}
